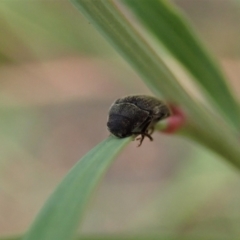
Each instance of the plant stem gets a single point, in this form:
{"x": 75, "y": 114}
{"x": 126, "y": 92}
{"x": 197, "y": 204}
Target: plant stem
{"x": 206, "y": 127}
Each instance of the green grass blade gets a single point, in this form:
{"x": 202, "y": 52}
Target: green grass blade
{"x": 61, "y": 214}
{"x": 144, "y": 236}
{"x": 147, "y": 236}
{"x": 209, "y": 130}
{"x": 171, "y": 29}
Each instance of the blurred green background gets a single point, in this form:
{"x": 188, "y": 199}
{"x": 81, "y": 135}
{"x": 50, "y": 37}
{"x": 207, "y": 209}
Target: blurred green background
{"x": 58, "y": 78}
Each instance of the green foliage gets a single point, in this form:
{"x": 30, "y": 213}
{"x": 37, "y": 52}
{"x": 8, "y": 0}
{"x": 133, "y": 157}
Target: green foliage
{"x": 202, "y": 125}
{"x": 60, "y": 216}
{"x": 171, "y": 29}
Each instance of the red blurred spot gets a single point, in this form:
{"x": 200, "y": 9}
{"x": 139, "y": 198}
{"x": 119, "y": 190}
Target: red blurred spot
{"x": 175, "y": 121}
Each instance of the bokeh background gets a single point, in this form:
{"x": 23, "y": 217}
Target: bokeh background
{"x": 58, "y": 77}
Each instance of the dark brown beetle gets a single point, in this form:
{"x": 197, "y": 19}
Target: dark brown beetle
{"x": 136, "y": 115}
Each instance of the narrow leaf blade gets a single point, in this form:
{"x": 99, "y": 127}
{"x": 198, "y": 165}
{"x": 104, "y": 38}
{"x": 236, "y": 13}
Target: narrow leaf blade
{"x": 171, "y": 29}
{"x": 108, "y": 19}
{"x": 61, "y": 214}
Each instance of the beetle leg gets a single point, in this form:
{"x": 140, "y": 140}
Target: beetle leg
{"x": 144, "y": 133}
{"x": 150, "y": 131}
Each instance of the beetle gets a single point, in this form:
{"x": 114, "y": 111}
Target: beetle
{"x": 136, "y": 115}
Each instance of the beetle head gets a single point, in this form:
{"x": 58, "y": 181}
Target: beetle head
{"x": 120, "y": 126}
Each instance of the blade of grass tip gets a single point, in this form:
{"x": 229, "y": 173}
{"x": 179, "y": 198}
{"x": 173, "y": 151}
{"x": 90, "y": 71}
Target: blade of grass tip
{"x": 60, "y": 216}
{"x": 171, "y": 28}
